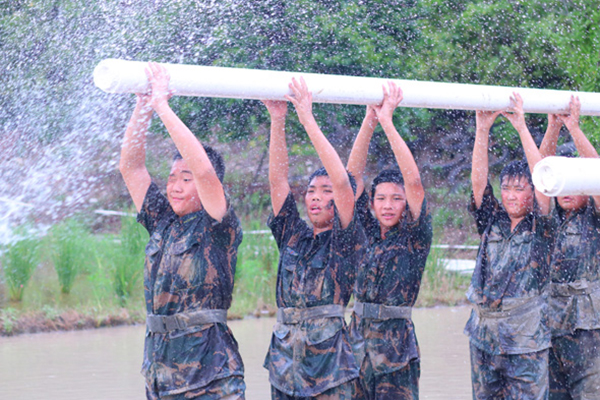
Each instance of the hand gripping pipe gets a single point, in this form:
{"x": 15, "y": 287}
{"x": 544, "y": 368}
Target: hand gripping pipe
{"x": 121, "y": 76}
{"x": 563, "y": 176}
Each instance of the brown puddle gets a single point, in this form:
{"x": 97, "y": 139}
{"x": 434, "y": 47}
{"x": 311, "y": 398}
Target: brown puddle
{"x": 105, "y": 363}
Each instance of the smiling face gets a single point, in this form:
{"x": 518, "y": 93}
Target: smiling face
{"x": 181, "y": 190}
{"x": 319, "y": 203}
{"x": 572, "y": 203}
{"x": 517, "y": 197}
{"x": 389, "y": 203}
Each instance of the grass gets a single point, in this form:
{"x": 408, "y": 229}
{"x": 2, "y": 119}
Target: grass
{"x": 68, "y": 244}
{"x": 439, "y": 286}
{"x": 18, "y": 263}
{"x": 255, "y": 275}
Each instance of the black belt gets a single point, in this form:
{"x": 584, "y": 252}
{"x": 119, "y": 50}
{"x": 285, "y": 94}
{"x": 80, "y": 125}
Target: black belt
{"x": 168, "y": 323}
{"x": 381, "y": 311}
{"x": 292, "y": 315}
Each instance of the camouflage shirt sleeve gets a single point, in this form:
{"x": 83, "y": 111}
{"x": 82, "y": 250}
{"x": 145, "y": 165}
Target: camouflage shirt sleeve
{"x": 363, "y": 211}
{"x": 228, "y": 232}
{"x": 485, "y": 213}
{"x": 282, "y": 225}
{"x": 154, "y": 206}
{"x": 420, "y": 231}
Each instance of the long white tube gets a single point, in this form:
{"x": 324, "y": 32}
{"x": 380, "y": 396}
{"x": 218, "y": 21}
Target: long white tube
{"x": 121, "y": 76}
{"x": 563, "y": 176}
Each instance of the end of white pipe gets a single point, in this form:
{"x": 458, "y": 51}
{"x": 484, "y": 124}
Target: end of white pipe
{"x": 545, "y": 179}
{"x": 103, "y": 78}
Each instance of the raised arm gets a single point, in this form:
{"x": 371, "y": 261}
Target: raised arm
{"x": 548, "y": 146}
{"x": 342, "y": 190}
{"x": 133, "y": 152}
{"x": 357, "y": 161}
{"x": 412, "y": 179}
{"x": 278, "y": 155}
{"x": 516, "y": 116}
{"x": 210, "y": 189}
{"x": 583, "y": 145}
{"x": 480, "y": 165}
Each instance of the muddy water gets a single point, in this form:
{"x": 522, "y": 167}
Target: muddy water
{"x": 104, "y": 363}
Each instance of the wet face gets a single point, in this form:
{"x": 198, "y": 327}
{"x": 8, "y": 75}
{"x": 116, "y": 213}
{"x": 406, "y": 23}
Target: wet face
{"x": 181, "y": 190}
{"x": 389, "y": 203}
{"x": 573, "y": 203}
{"x": 319, "y": 202}
{"x": 517, "y": 197}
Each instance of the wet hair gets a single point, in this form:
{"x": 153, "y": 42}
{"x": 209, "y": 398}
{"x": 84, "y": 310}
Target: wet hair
{"x": 387, "y": 175}
{"x": 323, "y": 172}
{"x": 516, "y": 170}
{"x": 215, "y": 159}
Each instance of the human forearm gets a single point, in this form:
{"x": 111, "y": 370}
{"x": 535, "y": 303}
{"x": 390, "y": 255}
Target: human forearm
{"x": 550, "y": 141}
{"x": 133, "y": 148}
{"x": 357, "y": 161}
{"x": 532, "y": 153}
{"x": 533, "y": 156}
{"x": 328, "y": 156}
{"x": 410, "y": 171}
{"x": 209, "y": 187}
{"x": 583, "y": 145}
{"x": 278, "y": 165}
{"x": 132, "y": 163}
{"x": 480, "y": 166}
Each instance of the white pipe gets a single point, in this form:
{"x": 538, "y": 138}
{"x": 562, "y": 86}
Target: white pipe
{"x": 121, "y": 76}
{"x": 563, "y": 176}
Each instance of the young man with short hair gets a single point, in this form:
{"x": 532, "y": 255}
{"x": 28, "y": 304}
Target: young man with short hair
{"x": 190, "y": 353}
{"x": 508, "y": 328}
{"x": 310, "y": 354}
{"x": 388, "y": 280}
{"x": 575, "y": 278}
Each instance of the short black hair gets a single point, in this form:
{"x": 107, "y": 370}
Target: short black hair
{"x": 215, "y": 159}
{"x": 323, "y": 172}
{"x": 387, "y": 175}
{"x": 515, "y": 170}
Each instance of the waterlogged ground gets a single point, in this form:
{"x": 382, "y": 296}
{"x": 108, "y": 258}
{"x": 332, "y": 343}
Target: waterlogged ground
{"x": 104, "y": 363}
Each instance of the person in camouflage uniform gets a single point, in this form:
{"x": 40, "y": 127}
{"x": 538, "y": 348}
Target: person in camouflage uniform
{"x": 388, "y": 280}
{"x": 310, "y": 354}
{"x": 575, "y": 275}
{"x": 508, "y": 327}
{"x": 189, "y": 351}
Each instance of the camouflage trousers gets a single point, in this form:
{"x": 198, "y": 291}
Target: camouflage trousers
{"x": 575, "y": 366}
{"x": 345, "y": 391}
{"x": 509, "y": 376}
{"x": 230, "y": 388}
{"x": 402, "y": 384}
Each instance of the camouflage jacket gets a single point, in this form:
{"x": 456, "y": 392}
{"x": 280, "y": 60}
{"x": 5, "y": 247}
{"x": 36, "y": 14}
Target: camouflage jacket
{"x": 510, "y": 279}
{"x": 575, "y": 271}
{"x": 307, "y": 358}
{"x": 190, "y": 265}
{"x": 390, "y": 274}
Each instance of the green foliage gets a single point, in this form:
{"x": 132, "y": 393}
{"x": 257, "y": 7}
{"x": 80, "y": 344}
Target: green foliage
{"x": 440, "y": 286}
{"x": 256, "y": 274}
{"x": 8, "y": 316}
{"x": 119, "y": 263}
{"x": 68, "y": 248}
{"x": 50, "y": 48}
{"x": 128, "y": 258}
{"x": 19, "y": 260}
